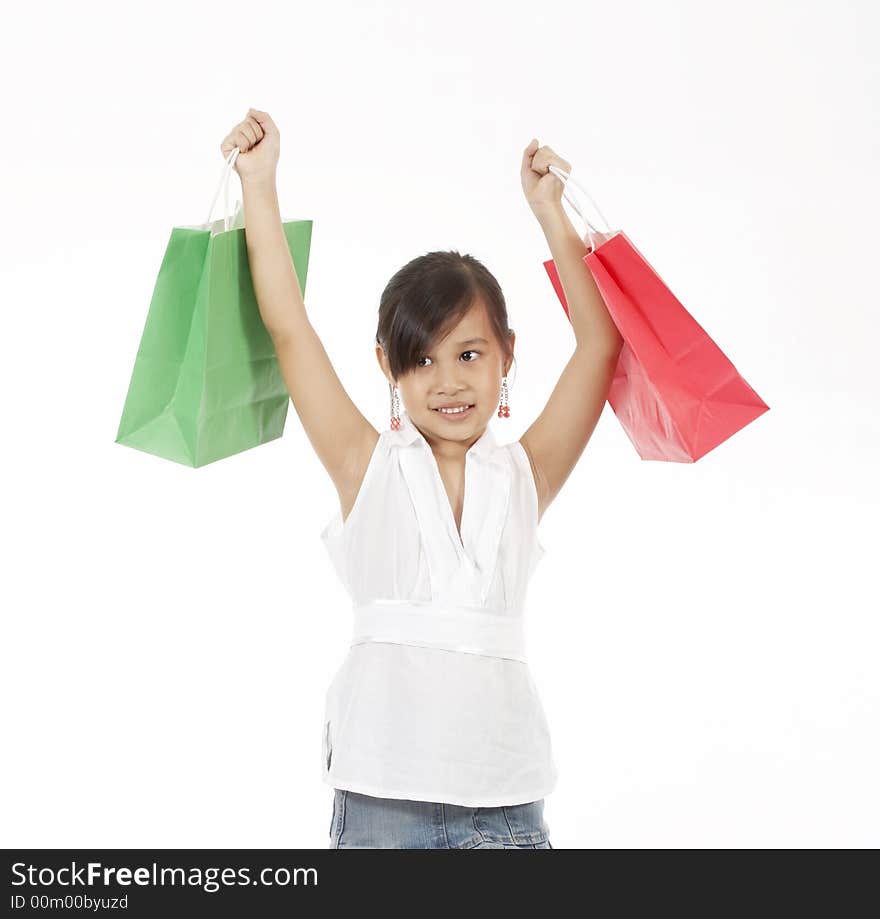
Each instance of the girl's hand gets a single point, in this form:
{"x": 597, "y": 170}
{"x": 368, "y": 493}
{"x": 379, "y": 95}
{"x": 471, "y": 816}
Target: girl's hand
{"x": 543, "y": 190}
{"x": 260, "y": 144}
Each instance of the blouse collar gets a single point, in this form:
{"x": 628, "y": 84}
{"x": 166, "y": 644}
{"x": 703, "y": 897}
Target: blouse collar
{"x": 409, "y": 434}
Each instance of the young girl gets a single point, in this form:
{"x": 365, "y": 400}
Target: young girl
{"x": 434, "y": 733}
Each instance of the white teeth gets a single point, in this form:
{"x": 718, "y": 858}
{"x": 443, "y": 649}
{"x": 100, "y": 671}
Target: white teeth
{"x": 452, "y": 411}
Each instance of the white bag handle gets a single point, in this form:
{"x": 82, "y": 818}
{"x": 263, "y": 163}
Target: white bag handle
{"x": 224, "y": 184}
{"x": 568, "y": 180}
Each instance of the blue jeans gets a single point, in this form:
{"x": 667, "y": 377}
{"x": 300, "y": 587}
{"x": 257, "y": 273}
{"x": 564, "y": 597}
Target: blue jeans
{"x": 365, "y": 822}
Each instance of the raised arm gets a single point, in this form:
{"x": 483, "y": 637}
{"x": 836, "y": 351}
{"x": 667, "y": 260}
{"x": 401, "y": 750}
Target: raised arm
{"x": 557, "y": 438}
{"x": 341, "y": 436}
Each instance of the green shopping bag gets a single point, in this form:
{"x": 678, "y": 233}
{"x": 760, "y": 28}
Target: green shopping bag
{"x": 206, "y": 382}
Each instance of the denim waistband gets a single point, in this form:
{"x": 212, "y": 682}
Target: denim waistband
{"x": 454, "y": 628}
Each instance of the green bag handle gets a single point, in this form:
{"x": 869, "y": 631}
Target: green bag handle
{"x": 224, "y": 184}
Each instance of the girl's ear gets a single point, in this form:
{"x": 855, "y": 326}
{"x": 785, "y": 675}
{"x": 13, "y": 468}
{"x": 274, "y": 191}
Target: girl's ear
{"x": 382, "y": 359}
{"x": 508, "y": 364}
{"x": 512, "y": 339}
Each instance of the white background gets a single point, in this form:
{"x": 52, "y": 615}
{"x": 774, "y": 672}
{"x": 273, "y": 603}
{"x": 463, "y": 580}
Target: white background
{"x": 704, "y": 636}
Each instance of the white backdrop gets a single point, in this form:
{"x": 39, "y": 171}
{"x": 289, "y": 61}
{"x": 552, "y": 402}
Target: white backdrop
{"x": 704, "y": 636}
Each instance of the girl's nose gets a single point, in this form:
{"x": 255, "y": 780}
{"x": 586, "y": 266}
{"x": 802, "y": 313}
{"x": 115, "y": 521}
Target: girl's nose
{"x": 449, "y": 384}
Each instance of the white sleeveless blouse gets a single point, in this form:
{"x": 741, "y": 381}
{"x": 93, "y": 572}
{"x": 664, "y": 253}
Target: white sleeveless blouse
{"x": 435, "y": 700}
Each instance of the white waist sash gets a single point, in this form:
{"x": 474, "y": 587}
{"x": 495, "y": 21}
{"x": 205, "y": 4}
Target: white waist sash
{"x": 455, "y": 628}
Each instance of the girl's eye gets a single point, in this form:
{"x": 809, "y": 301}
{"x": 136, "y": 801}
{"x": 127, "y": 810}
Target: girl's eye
{"x": 426, "y": 358}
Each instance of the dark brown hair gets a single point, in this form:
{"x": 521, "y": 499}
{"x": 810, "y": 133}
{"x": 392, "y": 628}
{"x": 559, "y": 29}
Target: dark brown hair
{"x": 426, "y": 298}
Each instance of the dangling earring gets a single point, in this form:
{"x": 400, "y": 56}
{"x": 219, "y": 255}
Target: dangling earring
{"x": 504, "y": 408}
{"x": 395, "y": 408}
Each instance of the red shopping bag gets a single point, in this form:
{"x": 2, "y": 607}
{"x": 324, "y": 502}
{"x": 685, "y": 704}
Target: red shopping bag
{"x": 674, "y": 391}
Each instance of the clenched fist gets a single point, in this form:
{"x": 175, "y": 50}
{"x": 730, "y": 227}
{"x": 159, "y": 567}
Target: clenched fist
{"x": 542, "y": 189}
{"x": 260, "y": 144}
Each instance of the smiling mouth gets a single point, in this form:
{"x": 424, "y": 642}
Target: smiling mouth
{"x": 460, "y": 410}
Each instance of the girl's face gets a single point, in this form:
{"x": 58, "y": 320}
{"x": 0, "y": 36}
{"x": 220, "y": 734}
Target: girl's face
{"x": 465, "y": 368}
